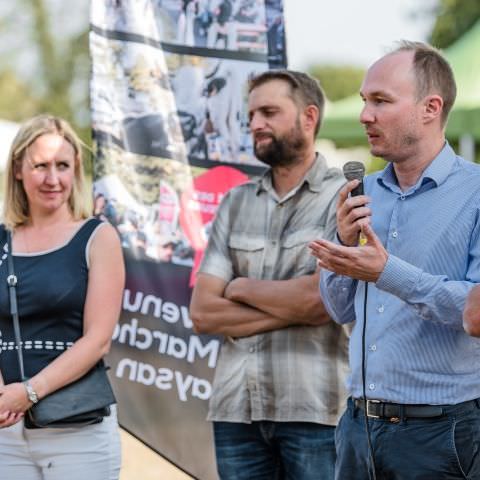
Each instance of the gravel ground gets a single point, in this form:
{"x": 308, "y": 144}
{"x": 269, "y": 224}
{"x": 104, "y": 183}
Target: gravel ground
{"x": 141, "y": 463}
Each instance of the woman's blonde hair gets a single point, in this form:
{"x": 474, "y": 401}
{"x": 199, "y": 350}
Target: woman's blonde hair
{"x": 15, "y": 206}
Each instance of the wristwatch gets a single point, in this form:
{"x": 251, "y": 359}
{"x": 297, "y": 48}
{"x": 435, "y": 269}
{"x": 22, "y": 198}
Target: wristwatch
{"x": 31, "y": 393}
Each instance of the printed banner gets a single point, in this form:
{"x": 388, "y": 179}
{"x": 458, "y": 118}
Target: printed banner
{"x": 171, "y": 137}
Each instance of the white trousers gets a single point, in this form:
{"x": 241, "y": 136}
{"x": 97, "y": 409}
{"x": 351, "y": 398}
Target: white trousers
{"x": 86, "y": 453}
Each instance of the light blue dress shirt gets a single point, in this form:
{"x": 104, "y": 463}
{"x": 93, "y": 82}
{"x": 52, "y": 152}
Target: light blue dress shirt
{"x": 416, "y": 349}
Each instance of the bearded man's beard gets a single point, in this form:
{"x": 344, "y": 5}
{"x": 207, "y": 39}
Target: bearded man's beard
{"x": 282, "y": 151}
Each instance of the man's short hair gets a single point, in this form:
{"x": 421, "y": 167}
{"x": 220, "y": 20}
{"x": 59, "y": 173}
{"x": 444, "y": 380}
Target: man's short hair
{"x": 305, "y": 90}
{"x": 433, "y": 74}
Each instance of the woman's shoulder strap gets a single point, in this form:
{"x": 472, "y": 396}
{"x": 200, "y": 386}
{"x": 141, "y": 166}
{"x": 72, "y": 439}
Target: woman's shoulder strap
{"x": 86, "y": 230}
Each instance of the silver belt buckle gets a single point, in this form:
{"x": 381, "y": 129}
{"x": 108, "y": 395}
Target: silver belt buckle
{"x": 371, "y": 415}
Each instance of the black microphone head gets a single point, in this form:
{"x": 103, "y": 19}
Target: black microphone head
{"x": 354, "y": 171}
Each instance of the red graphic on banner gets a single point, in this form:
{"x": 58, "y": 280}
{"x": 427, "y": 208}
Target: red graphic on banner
{"x": 199, "y": 204}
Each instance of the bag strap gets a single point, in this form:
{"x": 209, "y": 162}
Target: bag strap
{"x": 12, "y": 283}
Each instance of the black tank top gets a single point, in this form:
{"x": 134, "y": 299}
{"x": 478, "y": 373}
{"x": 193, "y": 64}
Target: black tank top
{"x": 51, "y": 292}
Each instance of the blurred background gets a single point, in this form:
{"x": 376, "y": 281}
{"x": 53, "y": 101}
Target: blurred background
{"x": 44, "y": 57}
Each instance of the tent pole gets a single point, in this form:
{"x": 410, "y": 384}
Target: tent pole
{"x": 467, "y": 147}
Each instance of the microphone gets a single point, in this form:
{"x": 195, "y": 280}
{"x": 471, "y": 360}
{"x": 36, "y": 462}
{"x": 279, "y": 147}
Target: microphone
{"x": 356, "y": 171}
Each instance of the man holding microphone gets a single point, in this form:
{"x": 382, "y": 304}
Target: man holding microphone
{"x": 414, "y": 369}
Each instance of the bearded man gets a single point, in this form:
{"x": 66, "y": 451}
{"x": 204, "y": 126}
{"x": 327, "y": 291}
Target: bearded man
{"x": 278, "y": 389}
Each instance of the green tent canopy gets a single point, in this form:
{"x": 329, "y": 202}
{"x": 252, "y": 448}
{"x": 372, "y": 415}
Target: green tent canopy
{"x": 341, "y": 118}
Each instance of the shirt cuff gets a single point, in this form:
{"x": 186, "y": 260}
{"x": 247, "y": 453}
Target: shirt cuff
{"x": 398, "y": 277}
{"x": 217, "y": 272}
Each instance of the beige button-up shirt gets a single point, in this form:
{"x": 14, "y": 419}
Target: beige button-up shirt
{"x": 291, "y": 374}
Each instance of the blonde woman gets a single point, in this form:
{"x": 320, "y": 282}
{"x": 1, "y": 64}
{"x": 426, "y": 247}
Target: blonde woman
{"x": 70, "y": 280}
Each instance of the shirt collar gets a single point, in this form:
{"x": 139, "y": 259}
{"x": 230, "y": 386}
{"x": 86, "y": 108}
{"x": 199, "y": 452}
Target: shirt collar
{"x": 313, "y": 178}
{"x": 437, "y": 172}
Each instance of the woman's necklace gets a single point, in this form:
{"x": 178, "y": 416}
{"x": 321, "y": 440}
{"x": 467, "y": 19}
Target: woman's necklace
{"x": 25, "y": 240}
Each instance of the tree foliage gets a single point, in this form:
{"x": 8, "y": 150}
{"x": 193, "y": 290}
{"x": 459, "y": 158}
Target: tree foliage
{"x": 453, "y": 19}
{"x": 44, "y": 61}
{"x": 16, "y": 101}
{"x": 338, "y": 81}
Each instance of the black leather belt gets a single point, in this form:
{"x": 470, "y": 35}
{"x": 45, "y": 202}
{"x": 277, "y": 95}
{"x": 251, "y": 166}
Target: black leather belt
{"x": 378, "y": 409}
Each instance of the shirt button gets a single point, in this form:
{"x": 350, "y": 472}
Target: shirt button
{"x": 371, "y": 386}
{"x": 381, "y": 309}
{"x": 251, "y": 349}
{"x": 402, "y": 197}
{"x": 274, "y": 242}
{"x": 373, "y": 348}
{"x": 395, "y": 234}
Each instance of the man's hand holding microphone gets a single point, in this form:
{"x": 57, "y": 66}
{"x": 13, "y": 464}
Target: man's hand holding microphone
{"x": 361, "y": 255}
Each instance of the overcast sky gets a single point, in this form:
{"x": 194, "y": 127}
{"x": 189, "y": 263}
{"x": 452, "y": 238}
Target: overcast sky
{"x": 350, "y": 31}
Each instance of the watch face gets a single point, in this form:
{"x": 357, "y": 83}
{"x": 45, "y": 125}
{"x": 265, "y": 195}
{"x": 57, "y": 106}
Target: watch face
{"x": 31, "y": 393}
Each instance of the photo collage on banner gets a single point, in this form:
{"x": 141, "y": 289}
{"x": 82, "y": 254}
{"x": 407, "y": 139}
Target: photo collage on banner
{"x": 171, "y": 137}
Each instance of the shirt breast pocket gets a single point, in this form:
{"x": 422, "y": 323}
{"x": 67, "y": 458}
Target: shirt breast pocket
{"x": 296, "y": 254}
{"x": 247, "y": 254}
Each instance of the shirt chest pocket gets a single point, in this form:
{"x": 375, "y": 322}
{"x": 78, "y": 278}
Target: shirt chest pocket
{"x": 247, "y": 254}
{"x": 296, "y": 255}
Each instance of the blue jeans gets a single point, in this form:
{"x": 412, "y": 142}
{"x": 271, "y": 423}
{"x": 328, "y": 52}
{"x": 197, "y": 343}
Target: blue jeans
{"x": 442, "y": 448}
{"x": 274, "y": 451}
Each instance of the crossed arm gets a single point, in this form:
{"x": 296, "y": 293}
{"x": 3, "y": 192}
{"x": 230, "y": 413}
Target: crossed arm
{"x": 246, "y": 306}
